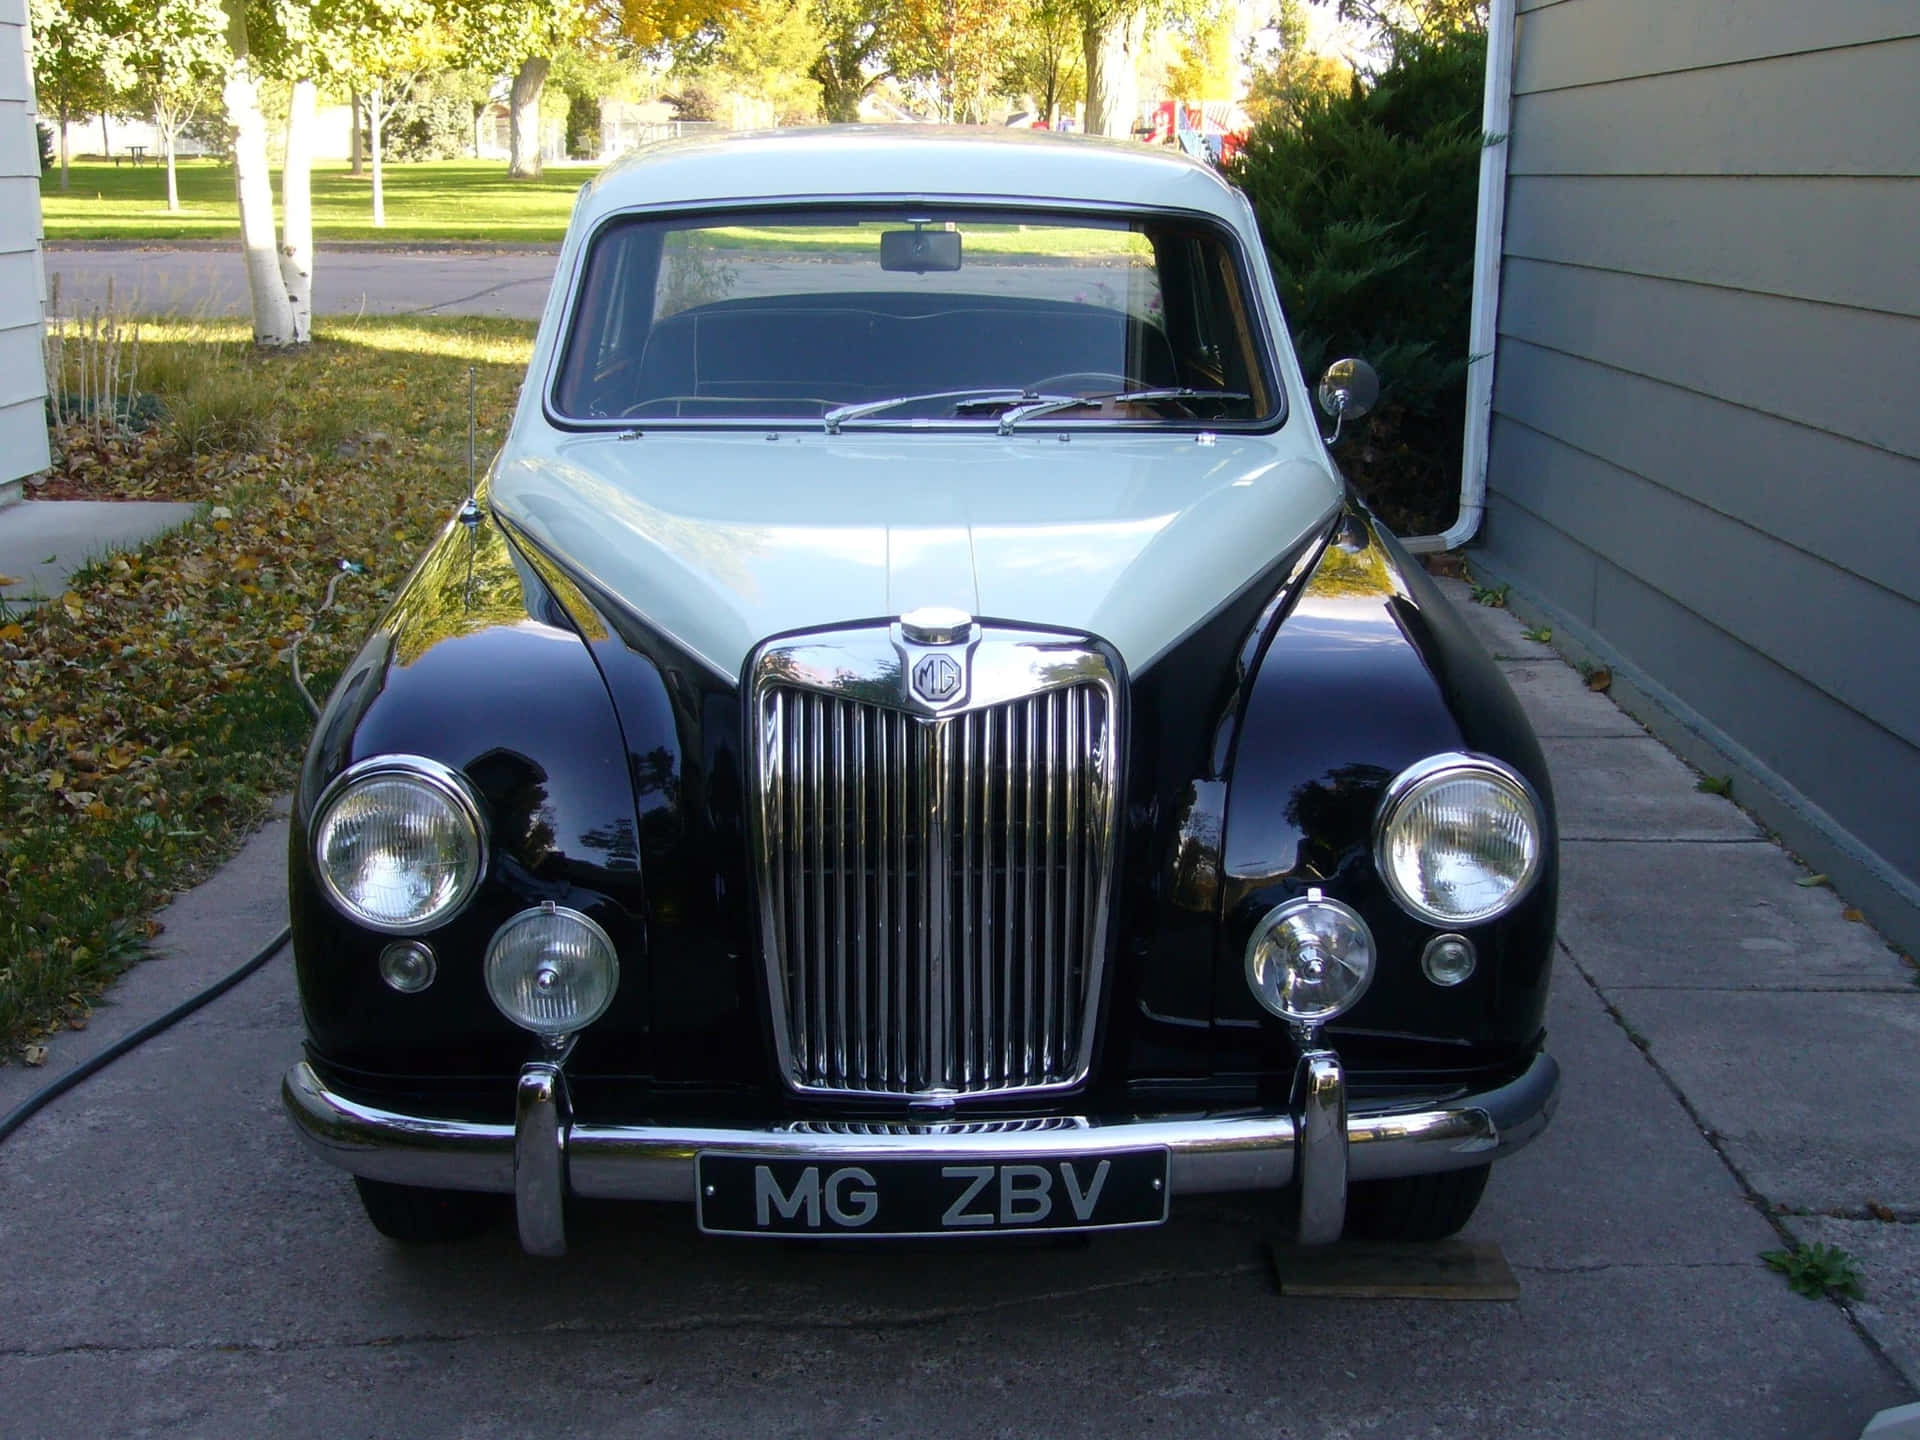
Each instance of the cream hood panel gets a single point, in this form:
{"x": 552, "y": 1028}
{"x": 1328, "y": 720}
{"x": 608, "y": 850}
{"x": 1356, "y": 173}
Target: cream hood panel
{"x": 721, "y": 540}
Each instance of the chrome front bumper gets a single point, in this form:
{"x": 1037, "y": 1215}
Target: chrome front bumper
{"x": 547, "y": 1154}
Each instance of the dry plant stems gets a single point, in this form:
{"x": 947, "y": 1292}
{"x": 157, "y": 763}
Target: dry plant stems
{"x": 93, "y": 368}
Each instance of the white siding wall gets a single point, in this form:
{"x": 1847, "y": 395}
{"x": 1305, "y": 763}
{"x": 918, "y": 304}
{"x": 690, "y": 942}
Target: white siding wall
{"x": 23, "y": 431}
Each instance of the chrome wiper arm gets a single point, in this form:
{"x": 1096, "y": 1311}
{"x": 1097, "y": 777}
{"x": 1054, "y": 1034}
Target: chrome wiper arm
{"x": 1005, "y": 395}
{"x": 1118, "y": 397}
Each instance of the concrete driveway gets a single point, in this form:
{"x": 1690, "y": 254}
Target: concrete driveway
{"x": 174, "y": 1262}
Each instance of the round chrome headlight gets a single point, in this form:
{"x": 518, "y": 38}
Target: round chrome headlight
{"x": 1309, "y": 960}
{"x": 552, "y": 970}
{"x": 1458, "y": 839}
{"x": 398, "y": 843}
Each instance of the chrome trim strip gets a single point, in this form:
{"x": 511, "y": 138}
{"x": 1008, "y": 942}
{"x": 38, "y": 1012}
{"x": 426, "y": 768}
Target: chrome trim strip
{"x": 1210, "y": 1153}
{"x": 541, "y": 1121}
{"x": 437, "y": 776}
{"x": 1320, "y": 1118}
{"x": 955, "y": 1008}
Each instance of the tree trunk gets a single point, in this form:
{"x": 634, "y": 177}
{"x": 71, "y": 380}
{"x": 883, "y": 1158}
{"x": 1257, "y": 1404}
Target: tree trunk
{"x": 356, "y": 153}
{"x": 523, "y": 118}
{"x": 296, "y": 209}
{"x": 106, "y": 145}
{"x": 173, "y": 184}
{"x": 1111, "y": 86}
{"x": 66, "y": 146}
{"x": 377, "y": 103}
{"x": 272, "y": 309}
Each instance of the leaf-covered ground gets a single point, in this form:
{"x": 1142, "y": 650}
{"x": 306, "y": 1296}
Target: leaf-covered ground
{"x": 149, "y": 713}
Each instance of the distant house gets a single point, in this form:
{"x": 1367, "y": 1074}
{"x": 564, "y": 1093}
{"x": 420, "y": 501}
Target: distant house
{"x": 493, "y": 132}
{"x": 23, "y": 381}
{"x": 1704, "y": 460}
{"x": 627, "y": 125}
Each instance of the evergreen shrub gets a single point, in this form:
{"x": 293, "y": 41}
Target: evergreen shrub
{"x": 1366, "y": 202}
{"x": 583, "y": 124}
{"x": 435, "y": 122}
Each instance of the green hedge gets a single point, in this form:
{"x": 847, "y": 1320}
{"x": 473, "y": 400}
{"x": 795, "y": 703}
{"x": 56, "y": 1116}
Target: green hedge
{"x": 1366, "y": 201}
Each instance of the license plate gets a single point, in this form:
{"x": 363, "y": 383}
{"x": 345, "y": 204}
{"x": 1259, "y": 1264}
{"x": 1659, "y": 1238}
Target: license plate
{"x": 775, "y": 1195}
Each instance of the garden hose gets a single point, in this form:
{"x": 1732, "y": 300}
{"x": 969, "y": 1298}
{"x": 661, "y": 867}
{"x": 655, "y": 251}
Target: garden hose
{"x": 52, "y": 1091}
{"x": 47, "y": 1094}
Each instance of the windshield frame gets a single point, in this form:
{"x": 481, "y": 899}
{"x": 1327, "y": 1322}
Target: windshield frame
{"x": 1265, "y": 352}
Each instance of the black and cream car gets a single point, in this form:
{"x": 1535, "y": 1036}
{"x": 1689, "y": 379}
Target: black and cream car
{"x": 914, "y": 736}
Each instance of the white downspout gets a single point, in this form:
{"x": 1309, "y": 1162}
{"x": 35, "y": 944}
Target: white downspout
{"x": 1484, "y": 335}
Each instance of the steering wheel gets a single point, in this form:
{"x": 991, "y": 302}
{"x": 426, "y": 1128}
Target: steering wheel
{"x": 1082, "y": 382}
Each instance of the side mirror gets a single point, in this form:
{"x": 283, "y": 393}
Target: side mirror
{"x": 1347, "y": 391}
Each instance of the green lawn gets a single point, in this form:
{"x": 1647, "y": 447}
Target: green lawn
{"x": 445, "y": 200}
{"x": 437, "y": 200}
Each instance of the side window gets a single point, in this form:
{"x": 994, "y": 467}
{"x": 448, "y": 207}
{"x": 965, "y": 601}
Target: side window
{"x": 1189, "y": 328}
{"x": 1237, "y": 335}
{"x": 1208, "y": 321}
{"x": 611, "y": 319}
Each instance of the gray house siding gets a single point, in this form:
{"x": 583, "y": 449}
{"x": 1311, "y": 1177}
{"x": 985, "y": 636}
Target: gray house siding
{"x": 1705, "y": 450}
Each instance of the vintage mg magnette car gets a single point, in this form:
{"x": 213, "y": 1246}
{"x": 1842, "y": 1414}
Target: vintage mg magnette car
{"x": 914, "y": 736}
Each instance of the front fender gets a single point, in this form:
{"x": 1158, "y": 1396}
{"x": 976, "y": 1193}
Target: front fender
{"x": 477, "y": 666}
{"x": 1370, "y": 670}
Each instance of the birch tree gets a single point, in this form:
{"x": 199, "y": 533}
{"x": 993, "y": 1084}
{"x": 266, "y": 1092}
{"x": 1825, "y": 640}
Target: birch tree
{"x": 275, "y": 319}
{"x": 177, "y": 54}
{"x": 383, "y": 48}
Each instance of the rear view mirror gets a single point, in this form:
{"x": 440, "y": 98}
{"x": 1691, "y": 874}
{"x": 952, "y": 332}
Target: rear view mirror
{"x": 920, "y": 250}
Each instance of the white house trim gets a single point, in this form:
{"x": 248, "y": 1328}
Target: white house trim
{"x": 23, "y": 430}
{"x": 1483, "y": 337}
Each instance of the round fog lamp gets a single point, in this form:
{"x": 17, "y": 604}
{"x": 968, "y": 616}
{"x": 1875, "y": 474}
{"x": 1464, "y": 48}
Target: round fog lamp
{"x": 552, "y": 970}
{"x": 1309, "y": 960}
{"x": 407, "y": 966}
{"x": 1448, "y": 959}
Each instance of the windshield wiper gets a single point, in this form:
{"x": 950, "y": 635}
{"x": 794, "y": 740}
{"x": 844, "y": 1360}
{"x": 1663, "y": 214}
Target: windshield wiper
{"x": 965, "y": 399}
{"x": 1051, "y": 405}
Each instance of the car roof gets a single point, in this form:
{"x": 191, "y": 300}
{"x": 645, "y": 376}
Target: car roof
{"x": 918, "y": 161}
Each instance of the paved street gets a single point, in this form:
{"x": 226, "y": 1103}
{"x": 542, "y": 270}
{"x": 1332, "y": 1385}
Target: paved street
{"x": 213, "y": 282}
{"x": 175, "y": 1263}
{"x": 513, "y": 283}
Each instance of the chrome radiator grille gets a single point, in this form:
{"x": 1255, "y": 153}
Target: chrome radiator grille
{"x": 935, "y": 887}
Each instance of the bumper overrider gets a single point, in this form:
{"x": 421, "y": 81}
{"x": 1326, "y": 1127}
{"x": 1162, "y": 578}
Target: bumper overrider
{"x": 1315, "y": 1149}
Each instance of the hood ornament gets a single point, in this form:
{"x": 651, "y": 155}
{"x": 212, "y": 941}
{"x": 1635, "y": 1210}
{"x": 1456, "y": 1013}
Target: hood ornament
{"x": 936, "y": 625}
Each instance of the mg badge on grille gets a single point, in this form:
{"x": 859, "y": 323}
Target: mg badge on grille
{"x": 936, "y": 679}
{"x": 939, "y": 676}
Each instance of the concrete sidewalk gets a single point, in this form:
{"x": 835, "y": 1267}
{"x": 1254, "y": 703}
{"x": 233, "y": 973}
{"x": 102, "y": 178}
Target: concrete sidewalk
{"x": 1785, "y": 1024}
{"x": 42, "y": 542}
{"x": 1730, "y": 1041}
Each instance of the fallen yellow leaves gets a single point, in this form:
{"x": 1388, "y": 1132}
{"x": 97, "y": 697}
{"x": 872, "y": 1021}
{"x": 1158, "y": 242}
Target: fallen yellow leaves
{"x": 148, "y": 714}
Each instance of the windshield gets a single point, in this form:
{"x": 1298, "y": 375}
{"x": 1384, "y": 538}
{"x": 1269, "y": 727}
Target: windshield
{"x": 923, "y": 316}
